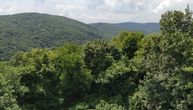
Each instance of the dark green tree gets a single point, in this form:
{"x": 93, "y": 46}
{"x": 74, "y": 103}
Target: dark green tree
{"x": 177, "y": 21}
{"x": 128, "y": 42}
{"x": 99, "y": 55}
{"x": 74, "y": 78}
{"x": 10, "y": 87}
{"x": 163, "y": 59}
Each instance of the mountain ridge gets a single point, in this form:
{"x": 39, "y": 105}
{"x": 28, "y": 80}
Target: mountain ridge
{"x": 23, "y": 31}
{"x": 112, "y": 29}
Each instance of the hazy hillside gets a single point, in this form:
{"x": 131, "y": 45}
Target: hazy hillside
{"x": 30, "y": 30}
{"x": 110, "y": 30}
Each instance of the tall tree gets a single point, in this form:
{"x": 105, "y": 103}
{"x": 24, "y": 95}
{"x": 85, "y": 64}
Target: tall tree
{"x": 128, "y": 42}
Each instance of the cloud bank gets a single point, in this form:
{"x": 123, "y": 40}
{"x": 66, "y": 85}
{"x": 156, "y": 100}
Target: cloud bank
{"x": 97, "y": 10}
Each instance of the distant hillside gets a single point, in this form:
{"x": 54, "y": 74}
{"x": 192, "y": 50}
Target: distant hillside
{"x": 110, "y": 30}
{"x": 30, "y": 30}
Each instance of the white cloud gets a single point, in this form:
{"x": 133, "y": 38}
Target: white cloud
{"x": 171, "y": 5}
{"x": 97, "y": 10}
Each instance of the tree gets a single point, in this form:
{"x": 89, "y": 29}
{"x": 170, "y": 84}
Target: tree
{"x": 163, "y": 62}
{"x": 41, "y": 78}
{"x": 74, "y": 78}
{"x": 56, "y": 78}
{"x": 177, "y": 21}
{"x": 10, "y": 87}
{"x": 99, "y": 55}
{"x": 128, "y": 42}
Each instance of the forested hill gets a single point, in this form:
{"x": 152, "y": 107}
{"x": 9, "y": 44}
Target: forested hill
{"x": 110, "y": 30}
{"x": 33, "y": 30}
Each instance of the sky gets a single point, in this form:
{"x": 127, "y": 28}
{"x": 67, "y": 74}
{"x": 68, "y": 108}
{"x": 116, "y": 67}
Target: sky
{"x": 93, "y": 11}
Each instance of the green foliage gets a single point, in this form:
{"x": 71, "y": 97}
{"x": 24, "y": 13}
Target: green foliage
{"x": 39, "y": 76}
{"x": 10, "y": 87}
{"x": 56, "y": 78}
{"x": 177, "y": 21}
{"x": 101, "y": 105}
{"x": 128, "y": 42}
{"x": 75, "y": 78}
{"x": 132, "y": 72}
{"x": 166, "y": 61}
{"x": 99, "y": 55}
{"x": 22, "y": 32}
{"x": 106, "y": 106}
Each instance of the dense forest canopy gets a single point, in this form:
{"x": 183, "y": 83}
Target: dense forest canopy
{"x": 132, "y": 71}
{"x": 22, "y": 32}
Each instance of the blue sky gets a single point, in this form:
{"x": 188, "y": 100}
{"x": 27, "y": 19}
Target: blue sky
{"x": 91, "y": 11}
